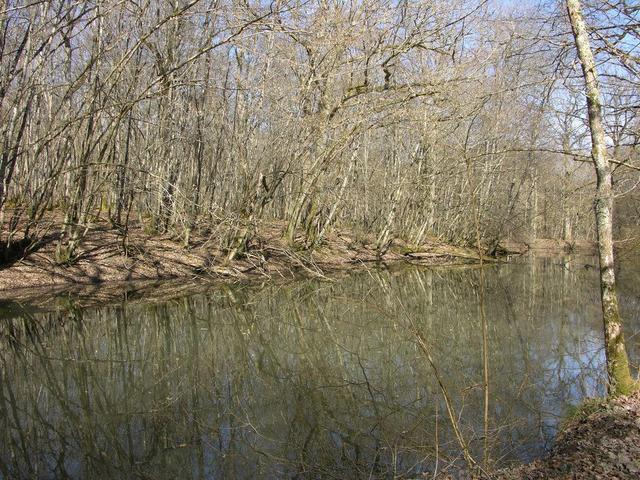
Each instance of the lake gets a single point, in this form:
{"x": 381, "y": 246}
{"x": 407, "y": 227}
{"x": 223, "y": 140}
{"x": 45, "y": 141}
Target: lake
{"x": 308, "y": 379}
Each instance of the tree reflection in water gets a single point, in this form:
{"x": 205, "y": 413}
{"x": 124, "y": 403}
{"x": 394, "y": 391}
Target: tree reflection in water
{"x": 311, "y": 379}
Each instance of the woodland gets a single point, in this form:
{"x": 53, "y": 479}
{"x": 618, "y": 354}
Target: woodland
{"x": 462, "y": 121}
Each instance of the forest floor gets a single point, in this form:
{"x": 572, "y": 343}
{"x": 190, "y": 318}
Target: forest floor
{"x": 103, "y": 258}
{"x": 601, "y": 440}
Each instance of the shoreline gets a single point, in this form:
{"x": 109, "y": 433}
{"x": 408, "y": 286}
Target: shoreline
{"x": 102, "y": 260}
{"x": 87, "y": 295}
{"x": 149, "y": 259}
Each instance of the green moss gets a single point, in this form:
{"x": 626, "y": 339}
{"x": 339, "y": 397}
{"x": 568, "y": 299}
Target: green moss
{"x": 404, "y": 248}
{"x": 620, "y": 380}
{"x": 619, "y": 373}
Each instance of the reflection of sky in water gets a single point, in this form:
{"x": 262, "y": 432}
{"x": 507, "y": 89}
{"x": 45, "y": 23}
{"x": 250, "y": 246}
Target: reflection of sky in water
{"x": 309, "y": 379}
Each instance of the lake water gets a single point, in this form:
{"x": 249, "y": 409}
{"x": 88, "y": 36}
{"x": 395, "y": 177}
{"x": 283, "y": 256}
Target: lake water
{"x": 310, "y": 379}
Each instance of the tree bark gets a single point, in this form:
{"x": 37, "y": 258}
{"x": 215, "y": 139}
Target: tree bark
{"x": 620, "y": 380}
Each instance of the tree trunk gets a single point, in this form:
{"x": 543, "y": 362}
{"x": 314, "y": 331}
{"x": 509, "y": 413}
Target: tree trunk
{"x": 620, "y": 381}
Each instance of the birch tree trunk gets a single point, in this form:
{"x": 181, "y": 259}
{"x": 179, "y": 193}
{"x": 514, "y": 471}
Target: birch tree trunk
{"x": 620, "y": 380}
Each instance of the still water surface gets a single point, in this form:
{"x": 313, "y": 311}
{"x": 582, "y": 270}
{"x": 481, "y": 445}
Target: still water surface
{"x": 306, "y": 380}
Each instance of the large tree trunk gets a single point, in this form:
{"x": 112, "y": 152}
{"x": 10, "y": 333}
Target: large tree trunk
{"x": 620, "y": 381}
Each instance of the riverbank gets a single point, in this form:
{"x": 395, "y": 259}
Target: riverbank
{"x": 601, "y": 440}
{"x": 104, "y": 257}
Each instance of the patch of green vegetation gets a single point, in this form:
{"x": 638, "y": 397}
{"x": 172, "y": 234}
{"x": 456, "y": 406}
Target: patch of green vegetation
{"x": 407, "y": 248}
{"x": 579, "y": 413}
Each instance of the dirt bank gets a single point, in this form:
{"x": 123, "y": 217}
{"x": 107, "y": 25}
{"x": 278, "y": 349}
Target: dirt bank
{"x": 600, "y": 441}
{"x": 146, "y": 257}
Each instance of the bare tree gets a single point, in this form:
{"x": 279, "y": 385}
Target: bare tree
{"x": 620, "y": 380}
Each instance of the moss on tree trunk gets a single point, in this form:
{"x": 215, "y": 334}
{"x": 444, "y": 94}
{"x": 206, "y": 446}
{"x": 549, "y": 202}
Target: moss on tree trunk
{"x": 620, "y": 380}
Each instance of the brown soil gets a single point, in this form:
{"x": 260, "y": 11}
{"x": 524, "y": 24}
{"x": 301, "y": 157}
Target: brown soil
{"x": 601, "y": 442}
{"x": 148, "y": 258}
